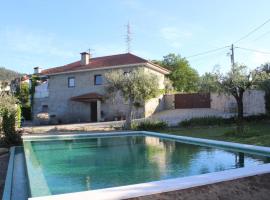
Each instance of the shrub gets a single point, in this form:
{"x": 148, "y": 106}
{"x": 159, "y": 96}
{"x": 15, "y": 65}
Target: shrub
{"x": 9, "y": 119}
{"x": 206, "y": 121}
{"x": 149, "y": 125}
{"x": 10, "y": 114}
{"x": 18, "y": 116}
{"x": 260, "y": 117}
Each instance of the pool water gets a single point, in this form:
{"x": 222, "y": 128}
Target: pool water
{"x": 64, "y": 166}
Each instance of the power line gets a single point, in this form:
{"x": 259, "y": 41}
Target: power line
{"x": 207, "y": 52}
{"x": 254, "y": 50}
{"x": 254, "y": 30}
{"x": 266, "y": 33}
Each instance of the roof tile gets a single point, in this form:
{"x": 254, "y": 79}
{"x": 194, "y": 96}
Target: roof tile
{"x": 98, "y": 62}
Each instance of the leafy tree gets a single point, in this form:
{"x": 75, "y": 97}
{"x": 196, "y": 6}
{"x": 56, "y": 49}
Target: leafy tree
{"x": 9, "y": 118}
{"x": 237, "y": 81}
{"x": 23, "y": 94}
{"x": 135, "y": 87}
{"x": 265, "y": 85}
{"x": 208, "y": 83}
{"x": 266, "y": 68}
{"x": 183, "y": 76}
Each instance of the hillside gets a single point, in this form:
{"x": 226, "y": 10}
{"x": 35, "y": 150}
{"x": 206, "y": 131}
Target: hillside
{"x": 7, "y": 74}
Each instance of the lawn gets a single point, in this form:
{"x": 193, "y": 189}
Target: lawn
{"x": 258, "y": 133}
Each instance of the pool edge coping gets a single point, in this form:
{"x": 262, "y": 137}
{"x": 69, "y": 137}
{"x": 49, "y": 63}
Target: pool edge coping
{"x": 163, "y": 185}
{"x": 7, "y": 190}
{"x": 157, "y": 187}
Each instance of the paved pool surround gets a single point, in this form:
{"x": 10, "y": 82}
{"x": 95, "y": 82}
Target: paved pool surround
{"x": 155, "y": 187}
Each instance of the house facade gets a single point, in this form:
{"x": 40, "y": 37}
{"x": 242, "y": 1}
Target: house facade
{"x": 76, "y": 92}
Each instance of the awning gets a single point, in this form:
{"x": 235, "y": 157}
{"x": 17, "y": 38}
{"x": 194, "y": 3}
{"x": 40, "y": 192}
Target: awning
{"x": 89, "y": 97}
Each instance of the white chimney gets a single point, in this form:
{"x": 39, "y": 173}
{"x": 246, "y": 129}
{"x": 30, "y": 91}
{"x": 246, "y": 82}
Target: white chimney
{"x": 37, "y": 70}
{"x": 85, "y": 58}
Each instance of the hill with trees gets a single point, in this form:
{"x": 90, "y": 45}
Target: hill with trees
{"x": 8, "y": 75}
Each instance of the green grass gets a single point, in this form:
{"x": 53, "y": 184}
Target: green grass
{"x": 258, "y": 133}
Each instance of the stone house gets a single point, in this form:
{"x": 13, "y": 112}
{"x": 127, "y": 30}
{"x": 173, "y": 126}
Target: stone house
{"x": 76, "y": 92}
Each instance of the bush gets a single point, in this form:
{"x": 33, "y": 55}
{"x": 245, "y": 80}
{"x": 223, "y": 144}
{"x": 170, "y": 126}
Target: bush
{"x": 10, "y": 115}
{"x": 260, "y": 117}
{"x": 149, "y": 125}
{"x": 206, "y": 121}
{"x": 18, "y": 116}
{"x": 9, "y": 120}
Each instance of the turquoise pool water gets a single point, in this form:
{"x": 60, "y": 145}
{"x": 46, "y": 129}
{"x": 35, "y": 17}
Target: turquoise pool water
{"x": 63, "y": 166}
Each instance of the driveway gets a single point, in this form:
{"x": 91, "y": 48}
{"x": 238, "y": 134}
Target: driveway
{"x": 173, "y": 117}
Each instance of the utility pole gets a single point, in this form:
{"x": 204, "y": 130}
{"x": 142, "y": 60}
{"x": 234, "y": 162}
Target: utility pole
{"x": 232, "y": 55}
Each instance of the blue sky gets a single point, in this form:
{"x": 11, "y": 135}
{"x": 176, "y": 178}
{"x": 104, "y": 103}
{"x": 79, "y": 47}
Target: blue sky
{"x": 50, "y": 33}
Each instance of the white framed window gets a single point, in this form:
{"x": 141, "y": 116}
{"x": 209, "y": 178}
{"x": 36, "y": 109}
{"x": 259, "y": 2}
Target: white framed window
{"x": 98, "y": 79}
{"x": 71, "y": 82}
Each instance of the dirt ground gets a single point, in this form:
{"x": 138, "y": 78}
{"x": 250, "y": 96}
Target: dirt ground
{"x": 250, "y": 188}
{"x": 3, "y": 168}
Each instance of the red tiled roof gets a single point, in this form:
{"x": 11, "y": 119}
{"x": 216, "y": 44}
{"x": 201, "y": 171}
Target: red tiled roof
{"x": 87, "y": 97}
{"x": 99, "y": 62}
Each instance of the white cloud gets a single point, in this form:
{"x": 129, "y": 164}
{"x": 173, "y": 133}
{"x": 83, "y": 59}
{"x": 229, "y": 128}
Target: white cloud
{"x": 174, "y": 36}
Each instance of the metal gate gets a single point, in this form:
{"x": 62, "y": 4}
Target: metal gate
{"x": 192, "y": 100}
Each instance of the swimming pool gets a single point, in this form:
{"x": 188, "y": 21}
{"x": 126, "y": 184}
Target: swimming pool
{"x": 75, "y": 163}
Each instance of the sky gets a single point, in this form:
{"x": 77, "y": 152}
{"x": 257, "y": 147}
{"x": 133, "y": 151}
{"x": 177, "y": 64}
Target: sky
{"x": 50, "y": 33}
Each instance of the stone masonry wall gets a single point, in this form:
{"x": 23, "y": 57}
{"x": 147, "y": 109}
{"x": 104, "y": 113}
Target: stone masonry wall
{"x": 62, "y": 108}
{"x": 253, "y": 100}
{"x": 169, "y": 102}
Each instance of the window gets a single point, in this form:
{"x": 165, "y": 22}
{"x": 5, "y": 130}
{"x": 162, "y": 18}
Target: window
{"x": 98, "y": 79}
{"x": 45, "y": 108}
{"x": 71, "y": 82}
{"x": 127, "y": 73}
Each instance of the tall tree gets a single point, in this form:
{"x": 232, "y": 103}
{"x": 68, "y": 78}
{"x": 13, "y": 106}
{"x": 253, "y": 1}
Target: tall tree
{"x": 208, "y": 83}
{"x": 265, "y": 85}
{"x": 136, "y": 87}
{"x": 183, "y": 76}
{"x": 237, "y": 81}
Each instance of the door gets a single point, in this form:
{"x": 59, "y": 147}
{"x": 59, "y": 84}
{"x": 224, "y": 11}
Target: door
{"x": 93, "y": 111}
{"x": 192, "y": 100}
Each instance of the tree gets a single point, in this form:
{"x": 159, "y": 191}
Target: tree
{"x": 265, "y": 85}
{"x": 8, "y": 75}
{"x": 237, "y": 81}
{"x": 23, "y": 94}
{"x": 208, "y": 83}
{"x": 135, "y": 87}
{"x": 10, "y": 118}
{"x": 183, "y": 76}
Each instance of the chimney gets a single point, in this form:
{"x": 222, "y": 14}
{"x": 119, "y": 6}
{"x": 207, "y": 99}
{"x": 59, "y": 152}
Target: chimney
{"x": 85, "y": 58}
{"x": 37, "y": 70}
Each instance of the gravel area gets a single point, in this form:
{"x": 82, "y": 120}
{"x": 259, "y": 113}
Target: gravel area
{"x": 250, "y": 188}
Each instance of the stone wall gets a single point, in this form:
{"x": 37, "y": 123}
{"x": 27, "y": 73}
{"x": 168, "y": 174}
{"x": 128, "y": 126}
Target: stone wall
{"x": 253, "y": 100}
{"x": 63, "y": 109}
{"x": 154, "y": 105}
{"x": 169, "y": 102}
